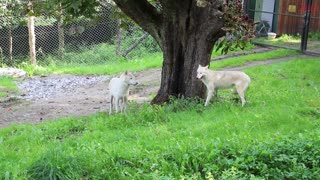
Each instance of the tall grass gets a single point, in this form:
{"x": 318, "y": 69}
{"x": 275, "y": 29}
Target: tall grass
{"x": 275, "y": 136}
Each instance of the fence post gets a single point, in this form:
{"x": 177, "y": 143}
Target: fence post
{"x": 32, "y": 40}
{"x": 307, "y": 17}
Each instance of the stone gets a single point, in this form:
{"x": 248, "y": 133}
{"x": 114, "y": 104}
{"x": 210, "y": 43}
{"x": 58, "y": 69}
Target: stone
{"x": 13, "y": 72}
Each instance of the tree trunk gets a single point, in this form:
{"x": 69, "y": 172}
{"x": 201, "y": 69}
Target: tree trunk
{"x": 186, "y": 34}
{"x": 32, "y": 40}
{"x": 186, "y": 42}
{"x": 182, "y": 55}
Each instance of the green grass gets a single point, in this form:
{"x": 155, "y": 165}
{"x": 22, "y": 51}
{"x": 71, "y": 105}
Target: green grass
{"x": 276, "y": 135}
{"x": 117, "y": 65}
{"x": 111, "y": 67}
{"x": 150, "y": 61}
{"x": 242, "y": 60}
{"x": 6, "y": 84}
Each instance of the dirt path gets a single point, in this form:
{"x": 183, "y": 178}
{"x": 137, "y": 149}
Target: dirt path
{"x": 81, "y": 98}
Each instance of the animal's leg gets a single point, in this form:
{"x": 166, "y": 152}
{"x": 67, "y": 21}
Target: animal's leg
{"x": 125, "y": 102}
{"x": 215, "y": 92}
{"x": 241, "y": 94}
{"x": 234, "y": 91}
{"x": 209, "y": 96}
{"x": 111, "y": 102}
{"x": 120, "y": 104}
{"x": 117, "y": 99}
{"x": 123, "y": 106}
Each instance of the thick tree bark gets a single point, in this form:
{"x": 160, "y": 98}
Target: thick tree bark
{"x": 186, "y": 34}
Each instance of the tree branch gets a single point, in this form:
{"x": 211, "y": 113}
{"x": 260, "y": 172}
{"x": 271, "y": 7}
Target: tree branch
{"x": 135, "y": 44}
{"x": 144, "y": 14}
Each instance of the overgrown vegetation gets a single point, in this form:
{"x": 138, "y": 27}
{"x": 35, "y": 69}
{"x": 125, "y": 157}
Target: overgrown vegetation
{"x": 275, "y": 136}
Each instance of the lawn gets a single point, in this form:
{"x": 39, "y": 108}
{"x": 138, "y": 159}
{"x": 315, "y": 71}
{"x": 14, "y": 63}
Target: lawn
{"x": 275, "y": 136}
{"x": 152, "y": 60}
{"x": 242, "y": 60}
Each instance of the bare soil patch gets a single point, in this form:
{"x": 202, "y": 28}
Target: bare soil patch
{"x": 59, "y": 96}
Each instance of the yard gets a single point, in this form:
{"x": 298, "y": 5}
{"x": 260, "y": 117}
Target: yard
{"x": 276, "y": 135}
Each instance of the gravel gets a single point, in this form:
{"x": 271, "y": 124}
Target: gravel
{"x": 44, "y": 87}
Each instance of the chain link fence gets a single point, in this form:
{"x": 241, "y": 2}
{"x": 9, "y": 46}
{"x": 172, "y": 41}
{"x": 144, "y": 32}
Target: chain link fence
{"x": 77, "y": 43}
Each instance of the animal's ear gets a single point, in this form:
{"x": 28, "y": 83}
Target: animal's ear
{"x": 206, "y": 67}
{"x": 126, "y": 73}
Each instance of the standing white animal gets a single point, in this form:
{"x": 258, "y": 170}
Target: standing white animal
{"x": 119, "y": 91}
{"x": 215, "y": 80}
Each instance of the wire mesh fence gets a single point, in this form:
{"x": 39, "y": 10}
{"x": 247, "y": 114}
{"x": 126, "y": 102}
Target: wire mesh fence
{"x": 79, "y": 43}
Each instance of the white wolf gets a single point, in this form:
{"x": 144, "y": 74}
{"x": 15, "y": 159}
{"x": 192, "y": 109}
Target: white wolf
{"x": 215, "y": 80}
{"x": 119, "y": 91}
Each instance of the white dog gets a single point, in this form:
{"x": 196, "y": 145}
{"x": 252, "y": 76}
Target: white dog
{"x": 119, "y": 91}
{"x": 215, "y": 80}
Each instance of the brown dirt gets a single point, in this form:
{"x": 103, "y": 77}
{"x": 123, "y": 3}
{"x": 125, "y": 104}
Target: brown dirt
{"x": 83, "y": 101}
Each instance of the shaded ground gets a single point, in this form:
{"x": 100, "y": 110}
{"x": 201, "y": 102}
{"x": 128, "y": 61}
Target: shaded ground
{"x": 58, "y": 96}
